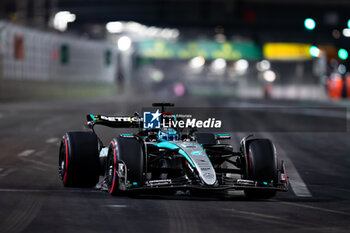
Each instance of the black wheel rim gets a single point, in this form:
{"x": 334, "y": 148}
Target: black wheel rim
{"x": 110, "y": 170}
{"x": 62, "y": 161}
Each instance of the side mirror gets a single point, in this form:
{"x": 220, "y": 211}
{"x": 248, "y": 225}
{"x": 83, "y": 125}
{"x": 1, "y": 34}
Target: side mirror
{"x": 223, "y": 136}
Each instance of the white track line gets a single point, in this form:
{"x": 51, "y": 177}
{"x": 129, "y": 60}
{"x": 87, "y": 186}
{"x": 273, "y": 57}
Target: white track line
{"x": 312, "y": 207}
{"x": 115, "y": 206}
{"x": 263, "y": 217}
{"x": 8, "y": 171}
{"x": 52, "y": 140}
{"x": 296, "y": 182}
{"x": 37, "y": 162}
{"x": 26, "y": 153}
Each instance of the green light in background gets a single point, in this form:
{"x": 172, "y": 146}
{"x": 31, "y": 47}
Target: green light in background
{"x": 314, "y": 51}
{"x": 349, "y": 23}
{"x": 343, "y": 54}
{"x": 309, "y": 24}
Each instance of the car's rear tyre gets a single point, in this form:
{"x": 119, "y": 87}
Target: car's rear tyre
{"x": 79, "y": 159}
{"x": 262, "y": 166}
{"x": 127, "y": 151}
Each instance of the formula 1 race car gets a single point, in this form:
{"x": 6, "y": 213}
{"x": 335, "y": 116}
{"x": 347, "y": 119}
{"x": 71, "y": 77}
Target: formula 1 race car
{"x": 169, "y": 158}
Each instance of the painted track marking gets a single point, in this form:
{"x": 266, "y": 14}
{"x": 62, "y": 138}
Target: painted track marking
{"x": 37, "y": 162}
{"x": 312, "y": 207}
{"x": 264, "y": 218}
{"x": 26, "y": 153}
{"x": 52, "y": 140}
{"x": 115, "y": 206}
{"x": 6, "y": 172}
{"x": 298, "y": 185}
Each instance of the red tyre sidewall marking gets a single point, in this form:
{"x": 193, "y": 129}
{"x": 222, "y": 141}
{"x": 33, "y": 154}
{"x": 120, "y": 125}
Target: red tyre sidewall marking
{"x": 250, "y": 166}
{"x": 65, "y": 171}
{"x": 250, "y": 163}
{"x": 115, "y": 165}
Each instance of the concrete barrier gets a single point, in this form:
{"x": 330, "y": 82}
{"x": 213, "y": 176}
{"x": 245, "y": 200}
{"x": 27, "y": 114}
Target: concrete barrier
{"x": 30, "y": 54}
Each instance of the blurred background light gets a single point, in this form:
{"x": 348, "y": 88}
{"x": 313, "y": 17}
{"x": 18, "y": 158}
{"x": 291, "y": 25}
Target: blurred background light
{"x": 343, "y": 54}
{"x": 135, "y": 29}
{"x": 157, "y": 75}
{"x": 61, "y": 20}
{"x": 263, "y": 65}
{"x": 241, "y": 65}
{"x": 175, "y": 33}
{"x": 220, "y": 37}
{"x": 346, "y": 32}
{"x": 348, "y": 23}
{"x": 269, "y": 76}
{"x": 114, "y": 27}
{"x": 197, "y": 62}
{"x": 179, "y": 89}
{"x": 342, "y": 69}
{"x": 218, "y": 64}
{"x": 315, "y": 51}
{"x": 124, "y": 43}
{"x": 309, "y": 24}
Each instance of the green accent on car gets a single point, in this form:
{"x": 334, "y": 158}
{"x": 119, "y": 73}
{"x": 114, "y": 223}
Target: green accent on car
{"x": 198, "y": 152}
{"x": 223, "y": 134}
{"x": 171, "y": 146}
{"x": 126, "y": 134}
{"x": 92, "y": 117}
{"x": 167, "y": 145}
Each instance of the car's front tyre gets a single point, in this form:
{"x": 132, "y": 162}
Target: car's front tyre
{"x": 125, "y": 158}
{"x": 262, "y": 166}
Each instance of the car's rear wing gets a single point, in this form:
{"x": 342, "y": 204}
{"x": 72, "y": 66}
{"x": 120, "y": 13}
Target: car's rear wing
{"x": 114, "y": 121}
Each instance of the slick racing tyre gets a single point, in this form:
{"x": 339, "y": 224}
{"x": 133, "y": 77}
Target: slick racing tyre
{"x": 262, "y": 166}
{"x": 79, "y": 159}
{"x": 125, "y": 158}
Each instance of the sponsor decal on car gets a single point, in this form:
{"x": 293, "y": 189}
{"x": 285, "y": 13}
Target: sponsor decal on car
{"x": 119, "y": 119}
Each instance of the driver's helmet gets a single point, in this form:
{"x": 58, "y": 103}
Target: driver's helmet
{"x": 168, "y": 134}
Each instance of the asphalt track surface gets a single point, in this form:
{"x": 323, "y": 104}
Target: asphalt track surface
{"x": 32, "y": 198}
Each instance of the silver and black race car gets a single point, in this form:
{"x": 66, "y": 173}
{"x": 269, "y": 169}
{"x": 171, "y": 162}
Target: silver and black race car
{"x": 168, "y": 158}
